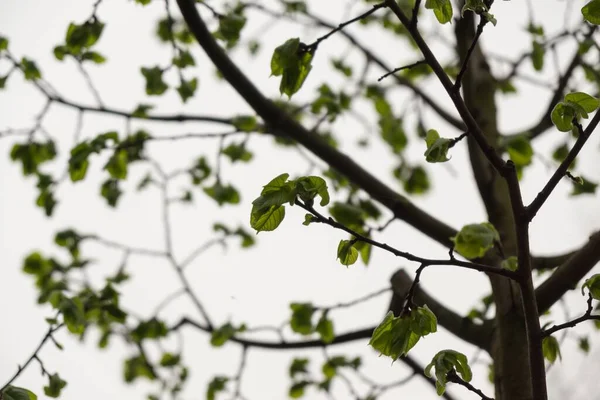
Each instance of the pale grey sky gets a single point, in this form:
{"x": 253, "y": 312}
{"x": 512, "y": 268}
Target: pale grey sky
{"x": 253, "y": 286}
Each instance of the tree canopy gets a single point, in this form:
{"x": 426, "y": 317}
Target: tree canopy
{"x": 418, "y": 176}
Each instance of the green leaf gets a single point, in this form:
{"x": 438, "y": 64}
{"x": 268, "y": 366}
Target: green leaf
{"x": 32, "y": 155}
{"x": 308, "y": 187}
{"x": 268, "y": 219}
{"x": 3, "y": 43}
{"x": 584, "y": 344}
{"x": 551, "y": 349}
{"x": 216, "y": 385}
{"x": 592, "y": 284}
{"x": 562, "y": 116}
{"x": 395, "y": 336}
{"x": 347, "y": 214}
{"x": 184, "y": 59}
{"x": 297, "y": 389}
{"x": 292, "y": 61}
{"x": 110, "y": 191}
{"x": 186, "y": 89}
{"x": 230, "y": 27}
{"x": 347, "y": 253}
{"x": 591, "y": 12}
{"x": 73, "y": 314}
{"x": 170, "y": 359}
{"x": 200, "y": 171}
{"x": 584, "y": 186}
{"x": 221, "y": 335}
{"x": 151, "y": 329}
{"x": 474, "y": 240}
{"x": 441, "y": 8}
{"x": 94, "y": 57}
{"x": 392, "y": 132}
{"x": 30, "y": 70}
{"x": 223, "y": 194}
{"x": 511, "y": 263}
{"x": 298, "y": 366}
{"x": 584, "y": 100}
{"x": 117, "y": 164}
{"x": 137, "y": 367}
{"x": 476, "y": 6}
{"x": 47, "y": 201}
{"x": 537, "y": 56}
{"x": 155, "y": 86}
{"x": 437, "y": 148}
{"x": 143, "y": 2}
{"x": 17, "y": 393}
{"x": 301, "y": 321}
{"x": 84, "y": 36}
{"x": 447, "y": 361}
{"x": 55, "y": 386}
{"x": 141, "y": 111}
{"x": 417, "y": 181}
{"x": 520, "y": 150}
{"x": 237, "y": 152}
{"x": 325, "y": 328}
{"x": 245, "y": 123}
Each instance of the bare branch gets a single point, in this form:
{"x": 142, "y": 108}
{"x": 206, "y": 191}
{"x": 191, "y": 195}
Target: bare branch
{"x": 560, "y": 172}
{"x": 587, "y": 316}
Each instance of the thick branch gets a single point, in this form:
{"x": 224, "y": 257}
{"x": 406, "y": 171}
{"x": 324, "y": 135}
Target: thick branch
{"x": 569, "y": 274}
{"x": 464, "y": 328}
{"x": 541, "y": 263}
{"x": 279, "y": 121}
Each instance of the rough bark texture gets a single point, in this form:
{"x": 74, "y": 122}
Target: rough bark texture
{"x": 509, "y": 342}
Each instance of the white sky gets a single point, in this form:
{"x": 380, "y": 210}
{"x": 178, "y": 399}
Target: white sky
{"x": 295, "y": 263}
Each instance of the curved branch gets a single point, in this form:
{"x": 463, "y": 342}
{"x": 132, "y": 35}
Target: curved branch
{"x": 569, "y": 274}
{"x": 283, "y": 345}
{"x": 541, "y": 263}
{"x": 462, "y": 327}
{"x": 308, "y": 344}
{"x": 280, "y": 123}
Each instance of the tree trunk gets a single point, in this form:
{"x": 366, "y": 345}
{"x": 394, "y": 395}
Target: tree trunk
{"x": 509, "y": 348}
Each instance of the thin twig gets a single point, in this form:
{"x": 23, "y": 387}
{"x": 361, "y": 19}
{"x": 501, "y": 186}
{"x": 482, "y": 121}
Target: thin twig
{"x": 587, "y": 316}
{"x": 453, "y": 377}
{"x": 34, "y": 356}
{"x": 392, "y": 72}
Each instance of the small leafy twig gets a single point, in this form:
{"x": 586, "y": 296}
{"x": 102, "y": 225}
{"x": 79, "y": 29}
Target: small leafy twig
{"x": 543, "y": 195}
{"x": 453, "y": 377}
{"x": 34, "y": 356}
{"x": 392, "y": 72}
{"x": 313, "y": 46}
{"x": 411, "y": 257}
{"x": 587, "y": 316}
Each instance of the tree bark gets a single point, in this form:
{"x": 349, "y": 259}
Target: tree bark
{"x": 509, "y": 347}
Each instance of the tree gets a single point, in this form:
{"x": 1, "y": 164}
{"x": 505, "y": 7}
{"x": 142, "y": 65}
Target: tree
{"x": 342, "y": 193}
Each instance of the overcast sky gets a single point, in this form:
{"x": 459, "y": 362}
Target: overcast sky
{"x": 295, "y": 263}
